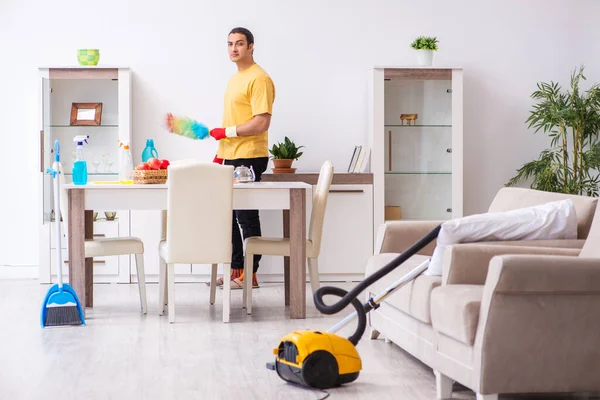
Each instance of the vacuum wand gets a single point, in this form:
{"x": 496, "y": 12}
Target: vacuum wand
{"x": 386, "y": 293}
{"x": 350, "y": 297}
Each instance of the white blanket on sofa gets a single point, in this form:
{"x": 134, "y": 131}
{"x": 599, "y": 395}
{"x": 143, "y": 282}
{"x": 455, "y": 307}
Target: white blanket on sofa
{"x": 553, "y": 220}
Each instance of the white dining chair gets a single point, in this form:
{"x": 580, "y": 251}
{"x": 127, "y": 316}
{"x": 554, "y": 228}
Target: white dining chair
{"x": 198, "y": 227}
{"x": 111, "y": 246}
{"x": 281, "y": 246}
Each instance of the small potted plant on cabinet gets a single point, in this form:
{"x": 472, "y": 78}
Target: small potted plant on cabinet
{"x": 425, "y": 46}
{"x": 284, "y": 154}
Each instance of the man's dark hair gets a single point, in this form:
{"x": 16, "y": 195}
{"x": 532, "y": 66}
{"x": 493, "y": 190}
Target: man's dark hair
{"x": 245, "y": 32}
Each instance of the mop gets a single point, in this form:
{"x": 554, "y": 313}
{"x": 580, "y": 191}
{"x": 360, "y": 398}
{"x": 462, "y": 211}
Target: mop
{"x": 61, "y": 305}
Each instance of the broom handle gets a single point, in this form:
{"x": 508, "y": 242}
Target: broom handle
{"x": 57, "y": 222}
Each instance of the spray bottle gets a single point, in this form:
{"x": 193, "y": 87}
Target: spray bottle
{"x": 126, "y": 165}
{"x": 80, "y": 174}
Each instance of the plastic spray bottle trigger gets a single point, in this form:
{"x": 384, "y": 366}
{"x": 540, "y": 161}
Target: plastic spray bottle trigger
{"x": 80, "y": 174}
{"x": 126, "y": 165}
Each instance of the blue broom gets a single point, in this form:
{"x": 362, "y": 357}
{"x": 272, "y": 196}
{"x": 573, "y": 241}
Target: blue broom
{"x": 61, "y": 305}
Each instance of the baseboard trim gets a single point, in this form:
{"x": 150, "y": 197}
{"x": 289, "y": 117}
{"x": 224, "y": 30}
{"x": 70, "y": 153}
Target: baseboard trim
{"x": 19, "y": 272}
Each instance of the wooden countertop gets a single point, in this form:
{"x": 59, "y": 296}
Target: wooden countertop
{"x": 342, "y": 178}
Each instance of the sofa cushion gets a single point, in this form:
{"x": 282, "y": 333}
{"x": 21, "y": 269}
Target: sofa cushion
{"x": 455, "y": 311}
{"x": 510, "y": 198}
{"x": 553, "y": 220}
{"x": 412, "y": 298}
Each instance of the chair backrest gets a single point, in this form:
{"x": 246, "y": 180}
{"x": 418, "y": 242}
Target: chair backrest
{"x": 199, "y": 213}
{"x": 317, "y": 216}
{"x": 511, "y": 198}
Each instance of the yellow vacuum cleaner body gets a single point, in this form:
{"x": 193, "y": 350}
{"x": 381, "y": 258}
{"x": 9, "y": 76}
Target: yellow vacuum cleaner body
{"x": 317, "y": 359}
{"x": 323, "y": 359}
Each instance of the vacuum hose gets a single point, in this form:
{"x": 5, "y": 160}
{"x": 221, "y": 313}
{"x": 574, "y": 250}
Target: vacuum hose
{"x": 351, "y": 297}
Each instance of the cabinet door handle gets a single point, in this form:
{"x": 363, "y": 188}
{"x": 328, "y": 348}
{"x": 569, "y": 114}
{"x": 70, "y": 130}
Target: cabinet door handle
{"x": 99, "y": 235}
{"x": 346, "y": 191}
{"x": 42, "y": 151}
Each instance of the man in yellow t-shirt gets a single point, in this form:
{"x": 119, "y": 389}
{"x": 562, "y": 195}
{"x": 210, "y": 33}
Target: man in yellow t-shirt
{"x": 246, "y": 118}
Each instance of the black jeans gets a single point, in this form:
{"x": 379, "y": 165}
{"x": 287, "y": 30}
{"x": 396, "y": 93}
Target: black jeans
{"x": 248, "y": 220}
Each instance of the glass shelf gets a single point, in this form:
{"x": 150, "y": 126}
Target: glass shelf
{"x": 418, "y": 126}
{"x": 83, "y": 126}
{"x": 418, "y": 173}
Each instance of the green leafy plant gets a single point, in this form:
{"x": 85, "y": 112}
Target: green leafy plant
{"x": 572, "y": 120}
{"x": 425, "y": 43}
{"x": 286, "y": 150}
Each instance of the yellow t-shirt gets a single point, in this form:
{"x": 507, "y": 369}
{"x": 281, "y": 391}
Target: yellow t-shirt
{"x": 249, "y": 92}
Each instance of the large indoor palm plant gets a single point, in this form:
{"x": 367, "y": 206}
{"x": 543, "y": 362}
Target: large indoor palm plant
{"x": 572, "y": 120}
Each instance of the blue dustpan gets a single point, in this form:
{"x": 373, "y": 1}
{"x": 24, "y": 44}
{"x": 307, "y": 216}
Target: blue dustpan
{"x": 61, "y": 305}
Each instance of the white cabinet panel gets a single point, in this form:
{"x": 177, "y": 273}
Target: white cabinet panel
{"x": 347, "y": 241}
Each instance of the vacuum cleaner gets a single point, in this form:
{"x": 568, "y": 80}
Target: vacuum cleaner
{"x": 323, "y": 360}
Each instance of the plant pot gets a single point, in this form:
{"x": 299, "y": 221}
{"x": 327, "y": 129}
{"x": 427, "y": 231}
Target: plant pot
{"x": 424, "y": 57}
{"x": 282, "y": 163}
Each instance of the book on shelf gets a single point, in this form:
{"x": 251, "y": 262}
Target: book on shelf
{"x": 360, "y": 159}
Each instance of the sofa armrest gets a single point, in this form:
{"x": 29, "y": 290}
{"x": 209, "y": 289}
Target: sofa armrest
{"x": 538, "y": 326}
{"x": 397, "y": 236}
{"x": 529, "y": 274}
{"x": 468, "y": 263}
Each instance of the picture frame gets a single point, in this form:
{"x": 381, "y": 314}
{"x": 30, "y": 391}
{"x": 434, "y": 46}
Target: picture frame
{"x": 86, "y": 114}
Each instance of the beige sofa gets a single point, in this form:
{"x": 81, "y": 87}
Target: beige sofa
{"x": 463, "y": 342}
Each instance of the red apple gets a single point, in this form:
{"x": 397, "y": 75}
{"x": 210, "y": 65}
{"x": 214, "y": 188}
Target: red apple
{"x": 164, "y": 164}
{"x": 142, "y": 166}
{"x": 154, "y": 163}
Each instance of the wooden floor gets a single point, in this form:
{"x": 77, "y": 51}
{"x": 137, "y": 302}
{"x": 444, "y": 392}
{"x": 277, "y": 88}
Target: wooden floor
{"x": 122, "y": 354}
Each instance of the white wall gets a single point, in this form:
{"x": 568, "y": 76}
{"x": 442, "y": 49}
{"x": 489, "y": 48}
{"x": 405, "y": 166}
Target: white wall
{"x": 318, "y": 53}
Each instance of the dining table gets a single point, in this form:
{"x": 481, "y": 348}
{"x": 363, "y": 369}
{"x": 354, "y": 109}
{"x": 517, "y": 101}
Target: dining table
{"x": 291, "y": 197}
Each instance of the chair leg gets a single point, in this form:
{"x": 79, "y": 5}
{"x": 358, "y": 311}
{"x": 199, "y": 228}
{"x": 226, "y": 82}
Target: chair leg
{"x": 162, "y": 285}
{"x": 248, "y": 270}
{"x": 226, "y": 292}
{"x": 171, "y": 291}
{"x": 443, "y": 386}
{"x": 313, "y": 271}
{"x": 213, "y": 283}
{"x": 139, "y": 266}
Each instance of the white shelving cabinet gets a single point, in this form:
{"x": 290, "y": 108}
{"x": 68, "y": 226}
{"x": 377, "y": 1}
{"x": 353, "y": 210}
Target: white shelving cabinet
{"x": 417, "y": 165}
{"x": 60, "y": 87}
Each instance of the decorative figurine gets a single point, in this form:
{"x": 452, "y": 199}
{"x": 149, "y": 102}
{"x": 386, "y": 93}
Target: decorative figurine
{"x": 409, "y": 117}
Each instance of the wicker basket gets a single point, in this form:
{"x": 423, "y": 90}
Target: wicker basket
{"x": 150, "y": 176}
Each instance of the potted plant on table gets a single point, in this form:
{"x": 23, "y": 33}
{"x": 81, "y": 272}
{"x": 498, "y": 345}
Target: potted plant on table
{"x": 572, "y": 120}
{"x": 284, "y": 154}
{"x": 425, "y": 46}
